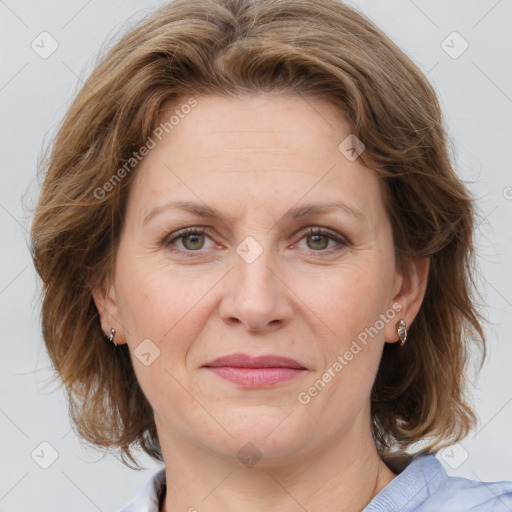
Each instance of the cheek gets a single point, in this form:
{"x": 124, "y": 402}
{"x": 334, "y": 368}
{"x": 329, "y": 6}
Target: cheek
{"x": 162, "y": 302}
{"x": 353, "y": 335}
{"x": 349, "y": 300}
{"x": 163, "y": 305}
{"x": 350, "y": 312}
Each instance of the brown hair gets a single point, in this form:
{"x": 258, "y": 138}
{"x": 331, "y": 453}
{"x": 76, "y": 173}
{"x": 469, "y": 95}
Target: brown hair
{"x": 320, "y": 48}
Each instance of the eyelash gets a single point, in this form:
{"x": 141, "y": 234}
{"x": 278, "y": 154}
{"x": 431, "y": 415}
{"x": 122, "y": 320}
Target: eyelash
{"x": 183, "y": 233}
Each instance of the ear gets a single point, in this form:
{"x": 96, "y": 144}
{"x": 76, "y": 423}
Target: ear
{"x": 105, "y": 298}
{"x": 409, "y": 291}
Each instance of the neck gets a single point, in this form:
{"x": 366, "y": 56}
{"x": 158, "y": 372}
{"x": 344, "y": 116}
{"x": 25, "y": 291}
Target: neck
{"x": 343, "y": 476}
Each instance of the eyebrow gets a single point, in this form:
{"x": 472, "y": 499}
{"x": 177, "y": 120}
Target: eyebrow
{"x": 208, "y": 212}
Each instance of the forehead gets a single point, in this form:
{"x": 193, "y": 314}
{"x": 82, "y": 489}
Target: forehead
{"x": 266, "y": 123}
{"x": 269, "y": 150}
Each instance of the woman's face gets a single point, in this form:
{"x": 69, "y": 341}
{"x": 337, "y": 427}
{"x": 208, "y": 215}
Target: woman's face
{"x": 251, "y": 280}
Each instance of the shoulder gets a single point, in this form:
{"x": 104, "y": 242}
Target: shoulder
{"x": 149, "y": 498}
{"x": 456, "y": 493}
{"x": 422, "y": 485}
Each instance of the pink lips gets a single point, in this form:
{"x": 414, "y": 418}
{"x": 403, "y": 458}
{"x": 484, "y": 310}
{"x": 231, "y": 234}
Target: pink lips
{"x": 255, "y": 372}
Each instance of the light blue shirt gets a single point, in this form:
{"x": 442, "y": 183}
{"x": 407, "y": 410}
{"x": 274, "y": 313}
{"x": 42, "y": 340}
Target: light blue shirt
{"x": 422, "y": 486}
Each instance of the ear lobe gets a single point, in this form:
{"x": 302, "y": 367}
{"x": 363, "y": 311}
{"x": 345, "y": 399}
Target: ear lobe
{"x": 105, "y": 299}
{"x": 410, "y": 295}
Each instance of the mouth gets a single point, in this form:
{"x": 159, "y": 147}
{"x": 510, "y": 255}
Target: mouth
{"x": 255, "y": 372}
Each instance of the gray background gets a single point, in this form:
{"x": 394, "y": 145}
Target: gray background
{"x": 475, "y": 90}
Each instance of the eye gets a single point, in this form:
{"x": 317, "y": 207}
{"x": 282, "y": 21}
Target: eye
{"x": 319, "y": 239}
{"x": 193, "y": 240}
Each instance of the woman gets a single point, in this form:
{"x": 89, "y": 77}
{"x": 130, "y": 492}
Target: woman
{"x": 257, "y": 264}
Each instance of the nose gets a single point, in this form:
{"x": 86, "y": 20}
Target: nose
{"x": 256, "y": 295}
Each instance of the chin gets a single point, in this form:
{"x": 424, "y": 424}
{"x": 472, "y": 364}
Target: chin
{"x": 270, "y": 438}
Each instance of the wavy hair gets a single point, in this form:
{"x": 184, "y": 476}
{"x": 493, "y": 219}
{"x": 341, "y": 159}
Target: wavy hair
{"x": 320, "y": 48}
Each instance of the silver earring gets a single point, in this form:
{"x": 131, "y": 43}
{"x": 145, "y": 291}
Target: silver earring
{"x": 111, "y": 336}
{"x": 402, "y": 331}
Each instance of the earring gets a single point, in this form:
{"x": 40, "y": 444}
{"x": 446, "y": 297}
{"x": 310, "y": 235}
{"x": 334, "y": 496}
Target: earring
{"x": 111, "y": 336}
{"x": 402, "y": 331}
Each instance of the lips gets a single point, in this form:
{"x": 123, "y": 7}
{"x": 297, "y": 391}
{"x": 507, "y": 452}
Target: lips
{"x": 255, "y": 372}
{"x": 247, "y": 361}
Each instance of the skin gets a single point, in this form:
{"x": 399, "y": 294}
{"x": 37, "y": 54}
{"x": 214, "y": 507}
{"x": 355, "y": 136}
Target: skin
{"x": 254, "y": 158}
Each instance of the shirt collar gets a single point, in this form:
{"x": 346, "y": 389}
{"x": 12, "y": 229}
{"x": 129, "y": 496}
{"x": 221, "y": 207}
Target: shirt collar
{"x": 151, "y": 495}
{"x": 424, "y": 472}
